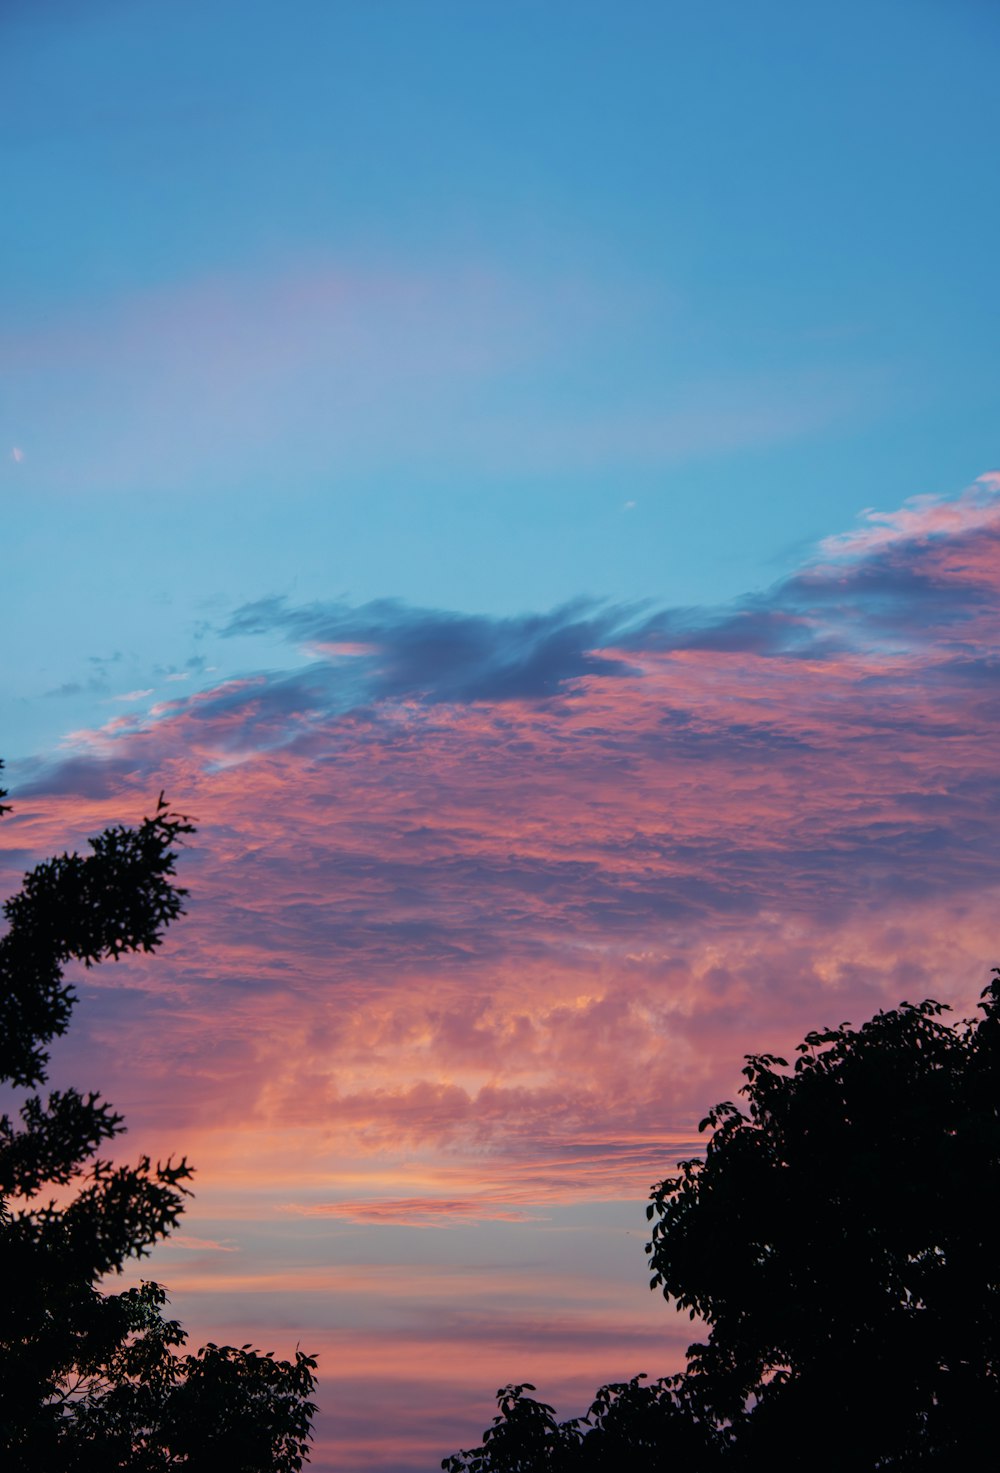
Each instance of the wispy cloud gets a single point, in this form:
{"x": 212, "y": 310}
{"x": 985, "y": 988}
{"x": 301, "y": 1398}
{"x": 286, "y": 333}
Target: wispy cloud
{"x": 416, "y": 1211}
{"x": 328, "y": 363}
{"x": 134, "y": 695}
{"x": 189, "y": 1243}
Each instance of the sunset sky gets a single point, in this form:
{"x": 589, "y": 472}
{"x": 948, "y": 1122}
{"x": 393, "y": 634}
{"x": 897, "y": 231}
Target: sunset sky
{"x": 524, "y": 477}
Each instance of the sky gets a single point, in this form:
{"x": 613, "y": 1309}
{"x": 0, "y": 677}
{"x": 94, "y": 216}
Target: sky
{"x": 526, "y": 479}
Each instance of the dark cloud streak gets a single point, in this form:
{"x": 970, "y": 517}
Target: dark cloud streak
{"x": 444, "y": 656}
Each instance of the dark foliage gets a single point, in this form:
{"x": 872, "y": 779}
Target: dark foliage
{"x": 840, "y": 1243}
{"x": 92, "y": 1381}
{"x": 642, "y": 1428}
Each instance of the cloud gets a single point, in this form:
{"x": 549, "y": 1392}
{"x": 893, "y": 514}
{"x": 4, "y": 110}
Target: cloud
{"x": 134, "y": 695}
{"x": 921, "y": 519}
{"x": 927, "y": 573}
{"x": 85, "y": 777}
{"x": 415, "y": 1211}
{"x": 188, "y": 1243}
{"x": 467, "y": 890}
{"x": 446, "y": 657}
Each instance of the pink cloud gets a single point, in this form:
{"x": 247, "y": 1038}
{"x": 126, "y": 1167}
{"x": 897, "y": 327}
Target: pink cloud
{"x": 188, "y": 1243}
{"x": 415, "y": 1211}
{"x": 922, "y": 517}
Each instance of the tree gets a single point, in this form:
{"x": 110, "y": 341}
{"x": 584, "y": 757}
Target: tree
{"x": 642, "y": 1428}
{"x": 92, "y": 1380}
{"x": 839, "y": 1242}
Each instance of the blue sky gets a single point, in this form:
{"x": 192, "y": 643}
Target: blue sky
{"x": 482, "y": 307}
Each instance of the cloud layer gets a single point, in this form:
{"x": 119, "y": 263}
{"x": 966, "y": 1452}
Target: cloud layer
{"x": 505, "y": 879}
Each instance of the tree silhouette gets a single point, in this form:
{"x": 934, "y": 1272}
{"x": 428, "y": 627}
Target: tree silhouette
{"x": 642, "y": 1428}
{"x": 93, "y": 1381}
{"x": 839, "y": 1241}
